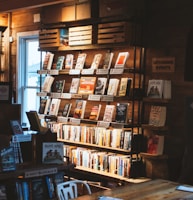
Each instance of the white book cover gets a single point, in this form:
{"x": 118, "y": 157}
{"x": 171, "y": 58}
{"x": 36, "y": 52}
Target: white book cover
{"x": 74, "y": 85}
{"x": 157, "y": 115}
{"x": 113, "y": 86}
{"x": 96, "y": 61}
{"x": 109, "y": 112}
{"x": 100, "y": 85}
{"x": 69, "y": 61}
{"x": 80, "y": 61}
{"x": 54, "y": 106}
{"x": 53, "y": 153}
{"x": 48, "y": 60}
{"x": 155, "y": 88}
{"x": 121, "y": 59}
{"x": 108, "y": 60}
{"x": 47, "y": 84}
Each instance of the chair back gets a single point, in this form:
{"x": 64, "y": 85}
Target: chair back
{"x": 69, "y": 189}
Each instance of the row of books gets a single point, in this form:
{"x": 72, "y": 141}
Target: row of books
{"x": 158, "y": 88}
{"x": 99, "y": 160}
{"x": 38, "y": 188}
{"x": 68, "y": 61}
{"x": 115, "y": 138}
{"x": 89, "y": 85}
{"x": 52, "y": 107}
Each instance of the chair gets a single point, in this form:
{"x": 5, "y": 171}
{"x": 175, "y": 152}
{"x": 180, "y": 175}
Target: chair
{"x": 69, "y": 189}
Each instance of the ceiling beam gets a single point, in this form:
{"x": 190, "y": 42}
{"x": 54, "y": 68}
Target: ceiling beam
{"x": 12, "y": 5}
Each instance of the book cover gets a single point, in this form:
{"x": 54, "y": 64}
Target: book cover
{"x": 58, "y": 86}
{"x": 155, "y": 88}
{"x": 87, "y": 85}
{"x": 121, "y": 59}
{"x": 47, "y": 107}
{"x": 113, "y": 86}
{"x": 127, "y": 140}
{"x": 80, "y": 61}
{"x": 16, "y": 127}
{"x": 107, "y": 60}
{"x": 25, "y": 190}
{"x": 79, "y": 109}
{"x": 157, "y": 115}
{"x": 69, "y": 61}
{"x": 42, "y": 105}
{"x": 95, "y": 111}
{"x": 60, "y": 62}
{"x": 125, "y": 86}
{"x": 108, "y": 113}
{"x": 96, "y": 61}
{"x": 155, "y": 144}
{"x": 74, "y": 85}
{"x": 52, "y": 153}
{"x": 121, "y": 112}
{"x": 100, "y": 85}
{"x": 48, "y": 81}
{"x": 167, "y": 89}
{"x": 38, "y": 189}
{"x": 54, "y": 106}
{"x": 48, "y": 60}
{"x": 8, "y": 159}
{"x": 65, "y": 110}
{"x": 3, "y": 193}
{"x": 50, "y": 187}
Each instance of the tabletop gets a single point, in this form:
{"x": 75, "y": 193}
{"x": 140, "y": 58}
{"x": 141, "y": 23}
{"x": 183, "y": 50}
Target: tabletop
{"x": 151, "y": 190}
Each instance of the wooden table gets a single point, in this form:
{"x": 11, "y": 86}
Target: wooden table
{"x": 150, "y": 190}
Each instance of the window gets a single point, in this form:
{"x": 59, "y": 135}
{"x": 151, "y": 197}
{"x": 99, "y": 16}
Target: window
{"x": 29, "y": 61}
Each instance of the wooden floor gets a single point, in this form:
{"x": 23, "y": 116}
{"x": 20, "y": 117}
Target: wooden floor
{"x": 150, "y": 190}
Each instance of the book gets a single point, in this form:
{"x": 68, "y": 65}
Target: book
{"x": 107, "y": 60}
{"x": 7, "y": 159}
{"x": 127, "y": 140}
{"x": 113, "y": 86}
{"x": 69, "y": 61}
{"x": 155, "y": 88}
{"x": 95, "y": 111}
{"x": 50, "y": 186}
{"x": 3, "y": 192}
{"x": 125, "y": 86}
{"x": 155, "y": 144}
{"x": 79, "y": 109}
{"x": 80, "y": 61}
{"x": 42, "y": 106}
{"x": 52, "y": 153}
{"x": 54, "y": 106}
{"x": 47, "y": 84}
{"x": 60, "y": 62}
{"x": 25, "y": 190}
{"x": 65, "y": 110}
{"x": 48, "y": 60}
{"x": 121, "y": 112}
{"x": 167, "y": 89}
{"x": 38, "y": 189}
{"x": 100, "y": 85}
{"x": 96, "y": 61}
{"x": 121, "y": 59}
{"x": 58, "y": 86}
{"x": 87, "y": 85}
{"x": 157, "y": 115}
{"x": 74, "y": 85}
{"x": 16, "y": 127}
{"x": 47, "y": 106}
{"x": 108, "y": 113}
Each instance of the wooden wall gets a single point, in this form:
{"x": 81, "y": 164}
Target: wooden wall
{"x": 167, "y": 25}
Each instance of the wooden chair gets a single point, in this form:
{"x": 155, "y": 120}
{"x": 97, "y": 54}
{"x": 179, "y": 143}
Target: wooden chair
{"x": 69, "y": 189}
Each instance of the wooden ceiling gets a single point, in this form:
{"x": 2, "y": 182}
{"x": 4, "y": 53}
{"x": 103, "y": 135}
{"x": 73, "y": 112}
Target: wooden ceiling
{"x": 12, "y": 5}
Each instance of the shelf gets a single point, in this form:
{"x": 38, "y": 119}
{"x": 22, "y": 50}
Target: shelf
{"x": 155, "y": 128}
{"x": 156, "y": 100}
{"x": 153, "y": 156}
{"x": 95, "y": 146}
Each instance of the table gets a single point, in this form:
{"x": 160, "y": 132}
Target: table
{"x": 151, "y": 190}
